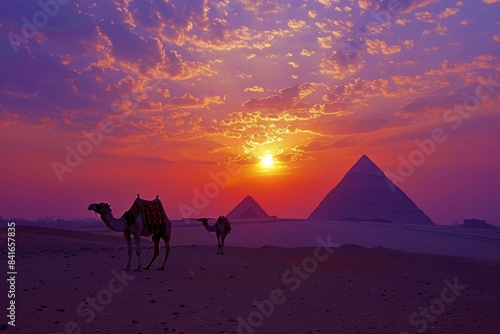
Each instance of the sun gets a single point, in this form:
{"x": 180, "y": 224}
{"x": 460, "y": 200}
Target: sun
{"x": 267, "y": 161}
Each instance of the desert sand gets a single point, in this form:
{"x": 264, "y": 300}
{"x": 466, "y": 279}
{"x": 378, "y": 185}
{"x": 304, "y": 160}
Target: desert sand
{"x": 434, "y": 279}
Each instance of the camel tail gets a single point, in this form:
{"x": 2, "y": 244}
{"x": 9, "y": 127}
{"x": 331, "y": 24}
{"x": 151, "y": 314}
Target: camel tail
{"x": 228, "y": 225}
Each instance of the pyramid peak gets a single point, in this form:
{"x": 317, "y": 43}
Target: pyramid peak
{"x": 365, "y": 166}
{"x": 247, "y": 208}
{"x": 248, "y": 198}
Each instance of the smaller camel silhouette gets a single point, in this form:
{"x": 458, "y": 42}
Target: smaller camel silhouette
{"x": 222, "y": 228}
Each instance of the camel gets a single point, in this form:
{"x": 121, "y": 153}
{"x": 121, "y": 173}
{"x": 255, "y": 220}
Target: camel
{"x": 137, "y": 228}
{"x": 222, "y": 228}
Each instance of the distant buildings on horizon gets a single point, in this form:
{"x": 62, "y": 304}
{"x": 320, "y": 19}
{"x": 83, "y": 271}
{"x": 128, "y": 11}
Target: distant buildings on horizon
{"x": 477, "y": 223}
{"x": 46, "y": 221}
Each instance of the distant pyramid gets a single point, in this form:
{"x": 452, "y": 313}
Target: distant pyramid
{"x": 248, "y": 209}
{"x": 366, "y": 194}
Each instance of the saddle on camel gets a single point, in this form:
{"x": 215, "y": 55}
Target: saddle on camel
{"x": 153, "y": 214}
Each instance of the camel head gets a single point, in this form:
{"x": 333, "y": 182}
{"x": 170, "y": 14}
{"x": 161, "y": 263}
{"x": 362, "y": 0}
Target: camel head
{"x": 100, "y": 208}
{"x": 203, "y": 220}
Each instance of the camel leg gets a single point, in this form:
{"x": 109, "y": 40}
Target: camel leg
{"x": 218, "y": 243}
{"x": 156, "y": 239}
{"x": 129, "y": 244}
{"x": 138, "y": 249}
{"x": 223, "y": 237}
{"x": 167, "y": 251}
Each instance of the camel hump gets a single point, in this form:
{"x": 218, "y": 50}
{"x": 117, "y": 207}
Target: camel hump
{"x": 153, "y": 214}
{"x": 154, "y": 202}
{"x": 225, "y": 221}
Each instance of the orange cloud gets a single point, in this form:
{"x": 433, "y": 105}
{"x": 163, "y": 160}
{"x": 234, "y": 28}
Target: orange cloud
{"x": 448, "y": 12}
{"x": 339, "y": 68}
{"x": 255, "y": 89}
{"x": 189, "y": 101}
{"x": 375, "y": 46}
{"x": 325, "y": 42}
{"x": 307, "y": 53}
{"x": 296, "y": 24}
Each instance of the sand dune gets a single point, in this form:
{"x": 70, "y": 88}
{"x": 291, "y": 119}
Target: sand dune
{"x": 353, "y": 289}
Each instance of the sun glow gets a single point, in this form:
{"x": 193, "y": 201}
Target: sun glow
{"x": 267, "y": 161}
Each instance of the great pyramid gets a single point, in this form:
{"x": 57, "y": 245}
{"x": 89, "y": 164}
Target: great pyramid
{"x": 366, "y": 194}
{"x": 248, "y": 209}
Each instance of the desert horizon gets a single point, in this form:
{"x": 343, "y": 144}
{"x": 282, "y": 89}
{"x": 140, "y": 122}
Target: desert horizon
{"x": 342, "y": 271}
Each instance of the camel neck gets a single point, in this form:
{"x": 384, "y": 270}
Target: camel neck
{"x": 210, "y": 228}
{"x": 118, "y": 225}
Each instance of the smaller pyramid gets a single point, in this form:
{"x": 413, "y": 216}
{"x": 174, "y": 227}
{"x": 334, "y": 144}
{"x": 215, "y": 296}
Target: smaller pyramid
{"x": 247, "y": 209}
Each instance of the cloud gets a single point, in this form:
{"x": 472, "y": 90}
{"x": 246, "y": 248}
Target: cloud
{"x": 170, "y": 20}
{"x": 241, "y": 160}
{"x": 128, "y": 46}
{"x": 328, "y": 3}
{"x": 409, "y": 43}
{"x": 348, "y": 127}
{"x": 339, "y": 66}
{"x": 481, "y": 61}
{"x": 376, "y": 46}
{"x": 189, "y": 101}
{"x": 296, "y": 24}
{"x": 406, "y": 6}
{"x": 254, "y": 89}
{"x": 176, "y": 68}
{"x": 262, "y": 6}
{"x": 179, "y": 114}
{"x": 448, "y": 12}
{"x": 312, "y": 14}
{"x": 426, "y": 17}
{"x": 286, "y": 98}
{"x": 307, "y": 53}
{"x": 364, "y": 4}
{"x": 403, "y": 22}
{"x": 240, "y": 38}
{"x": 325, "y": 42}
{"x": 427, "y": 106}
{"x": 316, "y": 145}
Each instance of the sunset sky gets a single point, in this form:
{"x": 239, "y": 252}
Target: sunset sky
{"x": 286, "y": 94}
